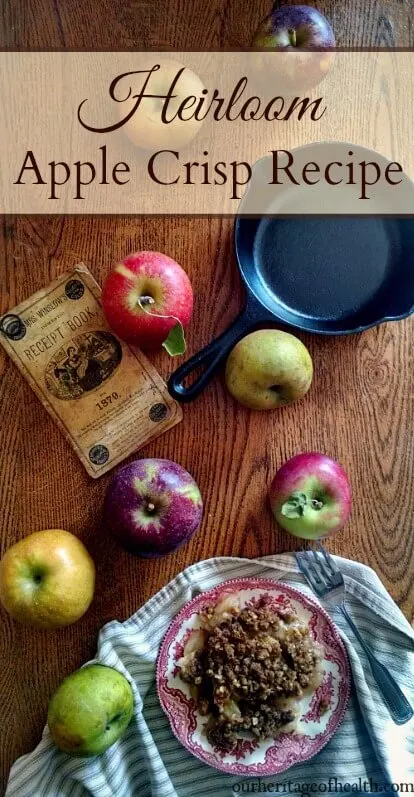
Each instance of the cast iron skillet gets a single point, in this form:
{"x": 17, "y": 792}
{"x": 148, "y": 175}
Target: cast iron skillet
{"x": 332, "y": 275}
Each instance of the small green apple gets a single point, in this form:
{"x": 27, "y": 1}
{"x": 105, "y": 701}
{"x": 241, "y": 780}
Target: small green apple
{"x": 267, "y": 369}
{"x": 90, "y": 710}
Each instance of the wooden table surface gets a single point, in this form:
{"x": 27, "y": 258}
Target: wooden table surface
{"x": 360, "y": 409}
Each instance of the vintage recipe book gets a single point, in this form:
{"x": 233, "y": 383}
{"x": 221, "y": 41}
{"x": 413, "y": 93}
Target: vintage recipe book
{"x": 105, "y": 396}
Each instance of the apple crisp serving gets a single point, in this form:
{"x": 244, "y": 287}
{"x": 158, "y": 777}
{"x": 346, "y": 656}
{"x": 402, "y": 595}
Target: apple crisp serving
{"x": 248, "y": 669}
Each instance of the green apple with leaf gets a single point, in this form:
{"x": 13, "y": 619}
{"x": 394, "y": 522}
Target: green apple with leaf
{"x": 147, "y": 300}
{"x": 90, "y": 710}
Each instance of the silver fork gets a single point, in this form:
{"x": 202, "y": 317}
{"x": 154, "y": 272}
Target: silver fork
{"x": 327, "y": 581}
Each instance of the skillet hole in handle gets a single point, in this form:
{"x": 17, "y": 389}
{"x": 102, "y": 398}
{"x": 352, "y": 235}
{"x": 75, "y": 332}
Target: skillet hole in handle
{"x": 201, "y": 368}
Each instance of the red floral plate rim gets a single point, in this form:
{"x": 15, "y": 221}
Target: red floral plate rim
{"x": 272, "y": 756}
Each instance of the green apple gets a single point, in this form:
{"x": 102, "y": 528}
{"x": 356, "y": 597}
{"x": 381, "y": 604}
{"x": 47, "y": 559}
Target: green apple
{"x": 268, "y": 369}
{"x": 90, "y": 710}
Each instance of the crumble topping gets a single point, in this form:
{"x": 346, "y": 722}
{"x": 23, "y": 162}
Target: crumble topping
{"x": 248, "y": 669}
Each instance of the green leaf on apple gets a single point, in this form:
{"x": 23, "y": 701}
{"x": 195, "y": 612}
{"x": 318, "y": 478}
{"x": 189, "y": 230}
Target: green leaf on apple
{"x": 294, "y": 507}
{"x": 174, "y": 343}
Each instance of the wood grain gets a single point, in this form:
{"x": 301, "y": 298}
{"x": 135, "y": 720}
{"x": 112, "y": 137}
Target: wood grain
{"x": 360, "y": 409}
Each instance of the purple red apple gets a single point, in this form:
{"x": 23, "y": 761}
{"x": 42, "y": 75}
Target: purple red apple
{"x": 152, "y": 506}
{"x": 310, "y": 496}
{"x": 304, "y": 32}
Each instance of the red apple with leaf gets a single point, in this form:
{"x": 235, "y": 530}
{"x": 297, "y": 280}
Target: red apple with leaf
{"x": 147, "y": 300}
{"x": 310, "y": 496}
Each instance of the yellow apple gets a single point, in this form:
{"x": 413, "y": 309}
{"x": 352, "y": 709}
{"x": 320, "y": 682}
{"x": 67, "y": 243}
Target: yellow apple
{"x": 47, "y": 579}
{"x": 146, "y": 128}
{"x": 267, "y": 369}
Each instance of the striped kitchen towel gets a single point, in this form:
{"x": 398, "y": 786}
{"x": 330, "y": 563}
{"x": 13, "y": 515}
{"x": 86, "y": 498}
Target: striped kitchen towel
{"x": 367, "y": 754}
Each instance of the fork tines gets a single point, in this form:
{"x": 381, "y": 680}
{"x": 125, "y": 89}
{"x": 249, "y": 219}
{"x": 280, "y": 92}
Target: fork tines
{"x": 319, "y": 569}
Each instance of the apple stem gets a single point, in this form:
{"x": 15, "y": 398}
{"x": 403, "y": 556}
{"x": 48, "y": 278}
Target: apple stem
{"x": 296, "y": 505}
{"x": 150, "y": 508}
{"x": 144, "y": 300}
{"x": 316, "y": 504}
{"x": 292, "y": 36}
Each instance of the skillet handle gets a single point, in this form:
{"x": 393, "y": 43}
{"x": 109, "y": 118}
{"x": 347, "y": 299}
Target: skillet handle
{"x": 209, "y": 359}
